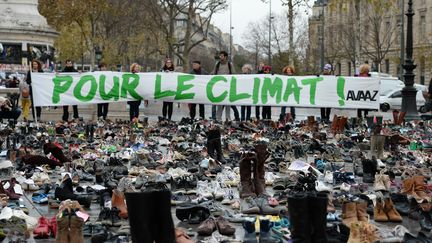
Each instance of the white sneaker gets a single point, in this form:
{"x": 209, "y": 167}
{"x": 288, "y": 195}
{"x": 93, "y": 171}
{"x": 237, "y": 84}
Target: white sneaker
{"x": 345, "y": 187}
{"x": 328, "y": 178}
{"x": 203, "y": 189}
{"x": 321, "y": 187}
{"x": 380, "y": 164}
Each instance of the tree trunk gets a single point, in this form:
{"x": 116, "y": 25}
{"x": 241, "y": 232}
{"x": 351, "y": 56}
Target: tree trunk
{"x": 290, "y": 30}
{"x": 187, "y": 37}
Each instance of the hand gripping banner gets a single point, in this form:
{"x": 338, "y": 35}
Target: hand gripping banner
{"x": 50, "y": 89}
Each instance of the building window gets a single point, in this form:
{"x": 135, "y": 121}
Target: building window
{"x": 349, "y": 68}
{"x": 422, "y": 28}
{"x": 422, "y": 70}
{"x": 387, "y": 66}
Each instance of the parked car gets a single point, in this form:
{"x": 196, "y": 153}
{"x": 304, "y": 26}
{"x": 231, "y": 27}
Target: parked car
{"x": 392, "y": 100}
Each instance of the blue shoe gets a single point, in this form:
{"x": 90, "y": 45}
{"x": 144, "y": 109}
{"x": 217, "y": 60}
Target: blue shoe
{"x": 40, "y": 198}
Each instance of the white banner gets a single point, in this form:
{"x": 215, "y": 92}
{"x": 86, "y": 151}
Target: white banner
{"x": 50, "y": 89}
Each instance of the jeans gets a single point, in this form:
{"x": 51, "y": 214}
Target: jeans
{"x": 325, "y": 114}
{"x": 65, "y": 116}
{"x": 245, "y": 113}
{"x": 360, "y": 111}
{"x": 220, "y": 109}
{"x": 257, "y": 112}
{"x": 102, "y": 110}
{"x": 134, "y": 109}
{"x": 167, "y": 109}
{"x": 266, "y": 112}
{"x": 283, "y": 112}
{"x": 192, "y": 111}
{"x": 13, "y": 114}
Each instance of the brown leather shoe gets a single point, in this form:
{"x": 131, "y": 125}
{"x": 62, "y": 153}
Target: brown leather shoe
{"x": 207, "y": 227}
{"x": 361, "y": 212}
{"x": 392, "y": 214}
{"x": 118, "y": 201}
{"x": 379, "y": 213}
{"x": 223, "y": 227}
{"x": 349, "y": 213}
{"x": 246, "y": 189}
{"x": 259, "y": 172}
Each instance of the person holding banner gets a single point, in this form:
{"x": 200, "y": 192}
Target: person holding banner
{"x": 225, "y": 67}
{"x": 69, "y": 69}
{"x": 288, "y": 71}
{"x": 364, "y": 72}
{"x": 167, "y": 108}
{"x": 102, "y": 108}
{"x": 266, "y": 110}
{"x": 245, "y": 111}
{"x": 325, "y": 112}
{"x": 36, "y": 66}
{"x": 197, "y": 70}
{"x": 134, "y": 104}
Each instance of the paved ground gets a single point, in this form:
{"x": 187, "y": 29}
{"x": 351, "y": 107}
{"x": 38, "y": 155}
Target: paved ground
{"x": 121, "y": 111}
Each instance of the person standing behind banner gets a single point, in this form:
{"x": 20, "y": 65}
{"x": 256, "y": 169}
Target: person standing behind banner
{"x": 364, "y": 72}
{"x": 245, "y": 111}
{"x": 197, "y": 70}
{"x": 69, "y": 69}
{"x": 289, "y": 71}
{"x": 102, "y": 108}
{"x": 36, "y": 66}
{"x": 325, "y": 112}
{"x": 167, "y": 108}
{"x": 134, "y": 104}
{"x": 225, "y": 67}
{"x": 260, "y": 70}
{"x": 266, "y": 110}
{"x": 24, "y": 89}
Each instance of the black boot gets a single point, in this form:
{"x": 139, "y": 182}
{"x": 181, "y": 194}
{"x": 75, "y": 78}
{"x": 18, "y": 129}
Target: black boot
{"x": 150, "y": 217}
{"x": 265, "y": 235}
{"x": 214, "y": 145}
{"x": 250, "y": 233}
{"x": 299, "y": 216}
{"x": 426, "y": 221}
{"x": 318, "y": 219}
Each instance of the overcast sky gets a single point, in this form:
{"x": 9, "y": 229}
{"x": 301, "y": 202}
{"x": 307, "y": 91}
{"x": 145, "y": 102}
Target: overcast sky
{"x": 243, "y": 12}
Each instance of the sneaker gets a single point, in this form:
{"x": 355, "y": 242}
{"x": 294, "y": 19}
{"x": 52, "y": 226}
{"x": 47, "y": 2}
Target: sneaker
{"x": 249, "y": 206}
{"x": 204, "y": 190}
{"x": 39, "y": 198}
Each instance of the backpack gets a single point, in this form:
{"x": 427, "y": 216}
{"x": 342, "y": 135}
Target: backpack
{"x": 25, "y": 90}
{"x": 217, "y": 67}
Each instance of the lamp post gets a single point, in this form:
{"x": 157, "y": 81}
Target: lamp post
{"x": 231, "y": 28}
{"x": 98, "y": 55}
{"x": 322, "y": 37}
{"x": 270, "y": 26}
{"x": 409, "y": 92}
{"x": 402, "y": 39}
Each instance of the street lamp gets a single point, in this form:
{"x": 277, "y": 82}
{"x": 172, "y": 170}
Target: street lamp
{"x": 98, "y": 55}
{"x": 270, "y": 26}
{"x": 409, "y": 92}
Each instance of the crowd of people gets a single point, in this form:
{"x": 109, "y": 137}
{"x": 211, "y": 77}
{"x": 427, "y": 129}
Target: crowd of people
{"x": 223, "y": 66}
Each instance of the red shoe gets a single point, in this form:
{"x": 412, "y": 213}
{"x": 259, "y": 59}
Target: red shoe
{"x": 53, "y": 226}
{"x": 42, "y": 230}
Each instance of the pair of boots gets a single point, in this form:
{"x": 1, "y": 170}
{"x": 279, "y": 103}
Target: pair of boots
{"x": 338, "y": 124}
{"x": 369, "y": 170}
{"x": 249, "y": 187}
{"x": 214, "y": 145}
{"x": 354, "y": 212}
{"x": 308, "y": 217}
{"x": 69, "y": 228}
{"x": 265, "y": 235}
{"x": 150, "y": 216}
{"x": 377, "y": 146}
{"x": 385, "y": 211}
{"x": 415, "y": 187}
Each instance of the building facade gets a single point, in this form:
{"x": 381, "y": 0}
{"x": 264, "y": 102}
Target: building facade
{"x": 24, "y": 34}
{"x": 353, "y": 32}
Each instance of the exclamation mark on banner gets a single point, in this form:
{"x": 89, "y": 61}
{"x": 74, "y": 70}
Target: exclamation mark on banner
{"x": 341, "y": 90}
